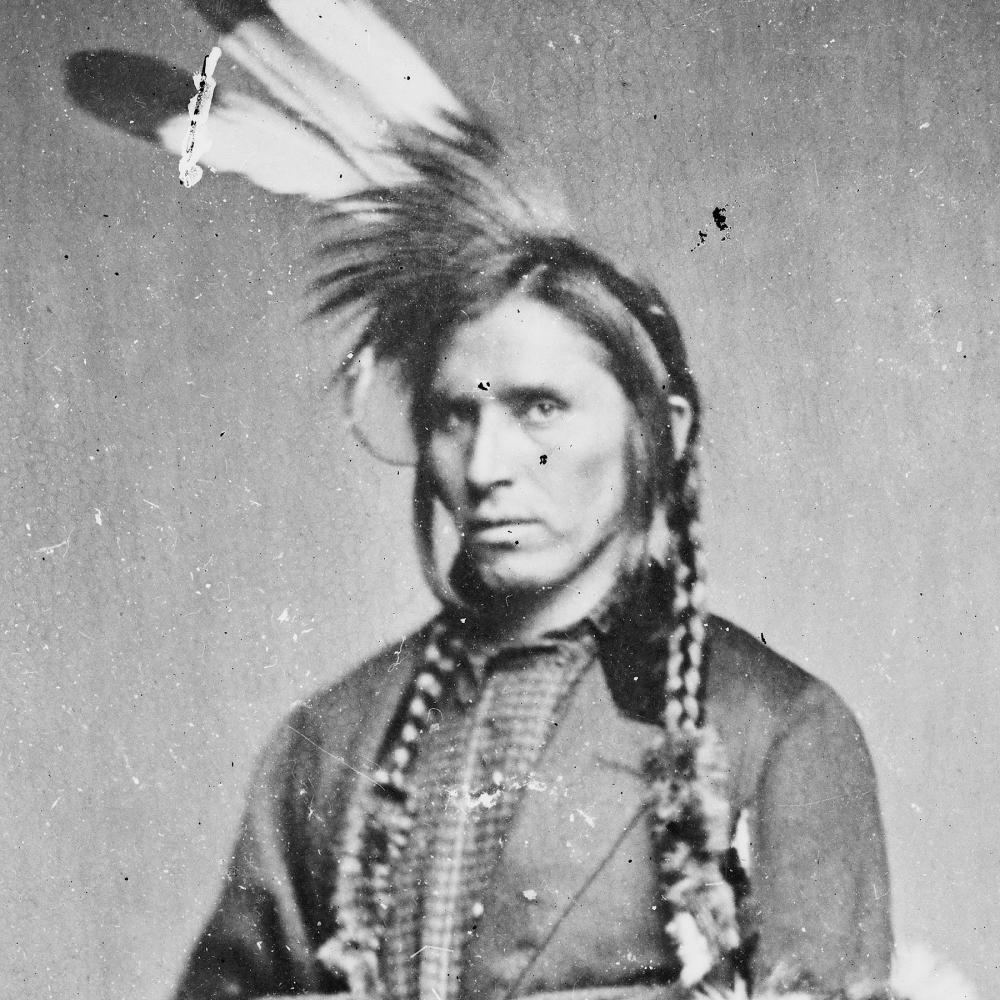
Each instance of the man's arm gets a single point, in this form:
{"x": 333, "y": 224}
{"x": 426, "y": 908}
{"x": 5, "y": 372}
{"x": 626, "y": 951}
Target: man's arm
{"x": 261, "y": 938}
{"x": 820, "y": 881}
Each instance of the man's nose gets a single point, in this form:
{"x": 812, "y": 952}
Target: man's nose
{"x": 490, "y": 458}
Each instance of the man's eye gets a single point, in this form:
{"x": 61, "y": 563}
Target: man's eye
{"x": 541, "y": 411}
{"x": 451, "y": 418}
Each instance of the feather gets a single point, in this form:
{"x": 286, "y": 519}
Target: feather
{"x": 393, "y": 76}
{"x": 245, "y": 136}
{"x": 293, "y": 76}
{"x": 147, "y": 98}
{"x": 339, "y": 66}
{"x": 347, "y": 104}
{"x": 134, "y": 93}
{"x": 351, "y": 40}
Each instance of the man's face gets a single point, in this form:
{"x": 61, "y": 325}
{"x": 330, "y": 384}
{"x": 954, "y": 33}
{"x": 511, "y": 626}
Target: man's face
{"x": 527, "y": 446}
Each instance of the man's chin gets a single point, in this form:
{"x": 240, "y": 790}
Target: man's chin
{"x": 513, "y": 573}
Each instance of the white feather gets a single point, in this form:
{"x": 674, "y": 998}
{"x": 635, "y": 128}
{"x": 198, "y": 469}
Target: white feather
{"x": 341, "y": 80}
{"x": 296, "y": 77}
{"x": 246, "y": 136}
{"x": 293, "y": 75}
{"x": 392, "y": 75}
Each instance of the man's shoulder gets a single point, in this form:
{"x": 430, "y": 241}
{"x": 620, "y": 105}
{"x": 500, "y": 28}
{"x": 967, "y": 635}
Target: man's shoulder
{"x": 335, "y": 725}
{"x": 757, "y": 695}
{"x": 377, "y": 679}
{"x": 747, "y": 664}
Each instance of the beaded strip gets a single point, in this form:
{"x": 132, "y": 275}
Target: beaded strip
{"x": 378, "y": 827}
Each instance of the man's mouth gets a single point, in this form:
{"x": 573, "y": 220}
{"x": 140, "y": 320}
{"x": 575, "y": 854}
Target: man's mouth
{"x": 496, "y": 530}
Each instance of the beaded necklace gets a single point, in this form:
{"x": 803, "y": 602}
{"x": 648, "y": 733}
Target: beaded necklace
{"x": 378, "y": 827}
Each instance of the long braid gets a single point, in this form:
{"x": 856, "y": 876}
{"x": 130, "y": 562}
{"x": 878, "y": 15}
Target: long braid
{"x": 684, "y": 708}
{"x": 686, "y": 767}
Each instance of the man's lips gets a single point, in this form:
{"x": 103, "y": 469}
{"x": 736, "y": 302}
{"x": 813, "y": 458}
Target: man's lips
{"x": 496, "y": 530}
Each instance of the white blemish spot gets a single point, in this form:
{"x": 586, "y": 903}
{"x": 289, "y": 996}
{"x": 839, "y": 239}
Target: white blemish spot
{"x": 48, "y": 550}
{"x": 742, "y": 841}
{"x": 485, "y": 800}
{"x": 692, "y": 948}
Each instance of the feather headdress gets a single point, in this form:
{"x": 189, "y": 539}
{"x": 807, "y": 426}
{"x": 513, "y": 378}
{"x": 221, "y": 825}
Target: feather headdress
{"x": 341, "y": 93}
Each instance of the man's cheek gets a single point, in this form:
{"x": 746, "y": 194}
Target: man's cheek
{"x": 446, "y": 482}
{"x": 595, "y": 479}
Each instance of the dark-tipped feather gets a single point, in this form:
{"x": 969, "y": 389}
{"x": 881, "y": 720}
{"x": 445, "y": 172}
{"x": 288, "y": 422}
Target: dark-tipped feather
{"x": 134, "y": 93}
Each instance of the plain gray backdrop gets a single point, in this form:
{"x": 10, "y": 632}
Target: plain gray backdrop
{"x": 190, "y": 542}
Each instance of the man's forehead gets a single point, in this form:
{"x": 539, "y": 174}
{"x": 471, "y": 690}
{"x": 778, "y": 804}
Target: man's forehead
{"x": 519, "y": 342}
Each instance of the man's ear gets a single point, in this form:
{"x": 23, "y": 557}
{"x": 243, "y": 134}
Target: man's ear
{"x": 681, "y": 418}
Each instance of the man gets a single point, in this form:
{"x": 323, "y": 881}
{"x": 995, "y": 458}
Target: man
{"x": 573, "y": 779}
{"x": 541, "y": 791}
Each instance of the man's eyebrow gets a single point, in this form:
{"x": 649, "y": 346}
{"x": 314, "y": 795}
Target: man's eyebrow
{"x": 522, "y": 391}
{"x": 472, "y": 391}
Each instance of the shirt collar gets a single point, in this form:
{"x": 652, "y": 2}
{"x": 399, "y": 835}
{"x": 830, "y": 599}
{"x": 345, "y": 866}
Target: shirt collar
{"x": 476, "y": 657}
{"x": 624, "y": 639}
